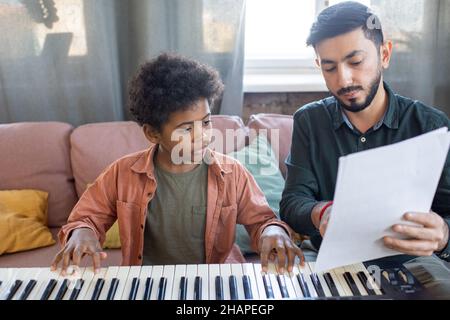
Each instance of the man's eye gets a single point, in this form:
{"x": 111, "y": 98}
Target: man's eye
{"x": 330, "y": 69}
{"x": 356, "y": 63}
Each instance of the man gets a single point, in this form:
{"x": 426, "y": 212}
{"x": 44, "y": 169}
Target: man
{"x": 364, "y": 113}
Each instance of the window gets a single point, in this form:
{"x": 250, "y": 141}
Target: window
{"x": 276, "y": 56}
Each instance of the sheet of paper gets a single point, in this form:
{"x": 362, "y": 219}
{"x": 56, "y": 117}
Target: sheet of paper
{"x": 374, "y": 189}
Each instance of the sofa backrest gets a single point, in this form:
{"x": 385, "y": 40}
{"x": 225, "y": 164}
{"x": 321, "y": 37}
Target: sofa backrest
{"x": 37, "y": 156}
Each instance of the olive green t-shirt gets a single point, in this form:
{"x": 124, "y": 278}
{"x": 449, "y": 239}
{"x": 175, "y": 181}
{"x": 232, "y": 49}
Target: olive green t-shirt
{"x": 175, "y": 226}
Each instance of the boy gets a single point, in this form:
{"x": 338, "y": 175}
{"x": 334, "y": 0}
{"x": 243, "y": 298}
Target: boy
{"x": 174, "y": 207}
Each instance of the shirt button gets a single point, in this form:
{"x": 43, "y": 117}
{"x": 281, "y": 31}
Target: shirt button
{"x": 142, "y": 226}
{"x": 445, "y": 256}
{"x": 363, "y": 139}
{"x": 139, "y": 257}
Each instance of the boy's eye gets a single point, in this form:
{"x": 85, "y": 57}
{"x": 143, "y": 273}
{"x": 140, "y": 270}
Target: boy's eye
{"x": 206, "y": 122}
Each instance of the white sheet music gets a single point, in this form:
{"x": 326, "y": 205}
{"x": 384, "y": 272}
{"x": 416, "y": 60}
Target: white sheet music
{"x": 374, "y": 189}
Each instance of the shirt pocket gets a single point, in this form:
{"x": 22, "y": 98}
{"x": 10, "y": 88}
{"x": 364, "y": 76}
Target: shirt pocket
{"x": 128, "y": 216}
{"x": 226, "y": 228}
{"x": 198, "y": 222}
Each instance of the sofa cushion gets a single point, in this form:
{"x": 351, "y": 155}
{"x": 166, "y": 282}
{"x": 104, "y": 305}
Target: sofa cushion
{"x": 36, "y": 156}
{"x": 284, "y": 123}
{"x": 97, "y": 145}
{"x": 43, "y": 257}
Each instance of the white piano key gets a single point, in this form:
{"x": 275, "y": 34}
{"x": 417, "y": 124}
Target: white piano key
{"x": 180, "y": 271}
{"x": 133, "y": 273}
{"x": 225, "y": 272}
{"x": 236, "y": 270}
{"x": 339, "y": 275}
{"x": 43, "y": 278}
{"x": 360, "y": 267}
{"x": 191, "y": 274}
{"x": 214, "y": 271}
{"x": 8, "y": 275}
{"x": 100, "y": 275}
{"x": 122, "y": 276}
{"x": 360, "y": 286}
{"x": 111, "y": 273}
{"x": 287, "y": 280}
{"x": 326, "y": 290}
{"x": 168, "y": 273}
{"x": 203, "y": 272}
{"x": 146, "y": 272}
{"x": 87, "y": 277}
{"x": 293, "y": 277}
{"x": 24, "y": 275}
{"x": 157, "y": 273}
{"x": 259, "y": 281}
{"x": 248, "y": 269}
{"x": 272, "y": 273}
{"x": 306, "y": 271}
{"x": 78, "y": 274}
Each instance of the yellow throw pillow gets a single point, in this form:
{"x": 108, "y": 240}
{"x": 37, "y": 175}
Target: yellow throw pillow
{"x": 112, "y": 240}
{"x": 23, "y": 220}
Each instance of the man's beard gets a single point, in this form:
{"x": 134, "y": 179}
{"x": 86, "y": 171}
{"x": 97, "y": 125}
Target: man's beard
{"x": 358, "y": 107}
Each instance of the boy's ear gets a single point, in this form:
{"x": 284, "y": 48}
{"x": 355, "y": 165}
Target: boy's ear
{"x": 151, "y": 133}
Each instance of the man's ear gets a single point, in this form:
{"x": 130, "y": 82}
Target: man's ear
{"x": 151, "y": 133}
{"x": 386, "y": 53}
{"x": 317, "y": 62}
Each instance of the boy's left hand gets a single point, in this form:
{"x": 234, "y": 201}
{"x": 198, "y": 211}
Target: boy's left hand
{"x": 275, "y": 242}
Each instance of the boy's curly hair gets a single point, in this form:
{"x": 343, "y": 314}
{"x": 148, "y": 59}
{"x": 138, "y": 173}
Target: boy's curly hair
{"x": 170, "y": 83}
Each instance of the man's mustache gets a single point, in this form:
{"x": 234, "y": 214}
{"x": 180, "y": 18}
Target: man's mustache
{"x": 348, "y": 90}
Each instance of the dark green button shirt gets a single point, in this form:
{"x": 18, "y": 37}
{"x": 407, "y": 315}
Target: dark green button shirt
{"x": 322, "y": 134}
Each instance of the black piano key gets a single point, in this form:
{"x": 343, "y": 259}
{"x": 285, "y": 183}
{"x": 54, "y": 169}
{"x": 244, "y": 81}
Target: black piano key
{"x": 198, "y": 288}
{"x": 363, "y": 278}
{"x": 49, "y": 289}
{"x": 30, "y": 286}
{"x": 148, "y": 288}
{"x": 233, "y": 288}
{"x": 112, "y": 289}
{"x": 247, "y": 287}
{"x": 62, "y": 290}
{"x": 317, "y": 285}
{"x": 76, "y": 291}
{"x": 183, "y": 288}
{"x": 352, "y": 284}
{"x": 14, "y": 289}
{"x": 268, "y": 287}
{"x": 98, "y": 289}
{"x": 162, "y": 288}
{"x": 303, "y": 285}
{"x": 331, "y": 285}
{"x": 282, "y": 285}
{"x": 134, "y": 289}
{"x": 219, "y": 288}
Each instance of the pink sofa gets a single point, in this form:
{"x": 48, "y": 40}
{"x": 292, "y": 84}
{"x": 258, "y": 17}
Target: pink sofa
{"x": 62, "y": 160}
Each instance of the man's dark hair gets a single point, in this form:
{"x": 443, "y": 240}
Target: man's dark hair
{"x": 170, "y": 83}
{"x": 345, "y": 17}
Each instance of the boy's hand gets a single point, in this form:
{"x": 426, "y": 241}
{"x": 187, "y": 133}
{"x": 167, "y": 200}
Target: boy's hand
{"x": 82, "y": 241}
{"x": 275, "y": 242}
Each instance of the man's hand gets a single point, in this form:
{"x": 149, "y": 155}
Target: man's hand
{"x": 82, "y": 241}
{"x": 275, "y": 242}
{"x": 431, "y": 235}
{"x": 321, "y": 224}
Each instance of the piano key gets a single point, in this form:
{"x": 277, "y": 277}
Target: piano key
{"x": 352, "y": 284}
{"x": 355, "y": 278}
{"x": 111, "y": 273}
{"x": 236, "y": 270}
{"x": 157, "y": 273}
{"x": 133, "y": 273}
{"x": 234, "y": 295}
{"x": 282, "y": 284}
{"x": 272, "y": 275}
{"x": 94, "y": 285}
{"x": 369, "y": 283}
{"x": 180, "y": 273}
{"x": 248, "y": 270}
{"x": 191, "y": 274}
{"x": 259, "y": 276}
{"x": 331, "y": 284}
{"x": 338, "y": 275}
{"x": 203, "y": 271}
{"x": 87, "y": 277}
{"x": 303, "y": 285}
{"x": 25, "y": 275}
{"x": 247, "y": 288}
{"x": 29, "y": 287}
{"x": 225, "y": 273}
{"x": 64, "y": 286}
{"x": 306, "y": 271}
{"x": 326, "y": 290}
{"x": 146, "y": 272}
{"x": 75, "y": 284}
{"x": 13, "y": 290}
{"x": 183, "y": 288}
{"x": 289, "y": 285}
{"x": 148, "y": 288}
{"x": 162, "y": 288}
{"x": 74, "y": 294}
{"x": 122, "y": 276}
{"x": 169, "y": 272}
{"x": 134, "y": 288}
{"x": 293, "y": 277}
{"x": 7, "y": 276}
{"x": 219, "y": 288}
{"x": 49, "y": 289}
{"x": 43, "y": 275}
{"x": 214, "y": 271}
{"x": 198, "y": 284}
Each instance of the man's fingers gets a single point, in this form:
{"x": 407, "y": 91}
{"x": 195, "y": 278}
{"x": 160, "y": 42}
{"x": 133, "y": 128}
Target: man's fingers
{"x": 264, "y": 260}
{"x": 408, "y": 246}
{"x": 291, "y": 253}
{"x": 425, "y": 219}
{"x": 416, "y": 232}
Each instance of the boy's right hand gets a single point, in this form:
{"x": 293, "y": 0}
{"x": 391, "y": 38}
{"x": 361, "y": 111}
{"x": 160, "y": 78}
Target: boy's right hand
{"x": 81, "y": 242}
